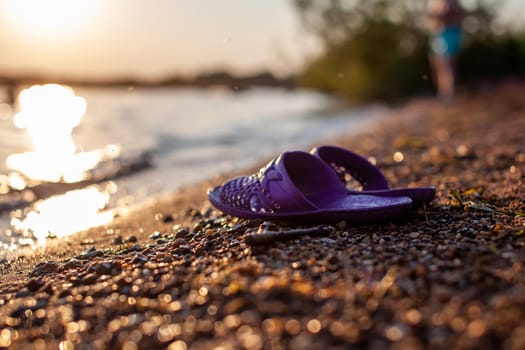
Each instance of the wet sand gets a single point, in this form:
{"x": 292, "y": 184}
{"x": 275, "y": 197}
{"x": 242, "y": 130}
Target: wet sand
{"x": 177, "y": 274}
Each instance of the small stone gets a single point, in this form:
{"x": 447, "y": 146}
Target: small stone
{"x": 341, "y": 225}
{"x": 508, "y": 255}
{"x": 206, "y": 212}
{"x": 139, "y": 259}
{"x": 89, "y": 278}
{"x": 72, "y": 264}
{"x": 93, "y": 252}
{"x": 136, "y": 247}
{"x": 179, "y": 241}
{"x": 185, "y": 249}
{"x": 235, "y": 228}
{"x": 90, "y": 254}
{"x": 34, "y": 284}
{"x": 45, "y": 268}
{"x": 118, "y": 240}
{"x": 168, "y": 218}
{"x": 103, "y": 268}
{"x": 193, "y": 213}
{"x": 182, "y": 232}
{"x": 131, "y": 239}
{"x": 332, "y": 259}
{"x": 155, "y": 235}
{"x": 327, "y": 240}
{"x": 457, "y": 262}
{"x": 22, "y": 292}
{"x": 413, "y": 234}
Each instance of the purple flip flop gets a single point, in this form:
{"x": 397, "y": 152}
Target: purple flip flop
{"x": 299, "y": 186}
{"x": 369, "y": 176}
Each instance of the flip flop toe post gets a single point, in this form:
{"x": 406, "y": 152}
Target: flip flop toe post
{"x": 298, "y": 186}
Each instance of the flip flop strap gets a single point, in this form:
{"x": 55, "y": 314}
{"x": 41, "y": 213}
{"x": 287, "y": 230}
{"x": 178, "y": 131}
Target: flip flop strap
{"x": 263, "y": 193}
{"x": 344, "y": 161}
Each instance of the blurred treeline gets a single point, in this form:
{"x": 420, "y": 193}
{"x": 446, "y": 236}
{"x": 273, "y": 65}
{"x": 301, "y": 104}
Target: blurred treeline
{"x": 378, "y": 49}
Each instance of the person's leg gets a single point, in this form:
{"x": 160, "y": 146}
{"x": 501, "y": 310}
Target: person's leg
{"x": 444, "y": 71}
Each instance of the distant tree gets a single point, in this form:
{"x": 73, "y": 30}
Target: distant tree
{"x": 372, "y": 48}
{"x": 377, "y": 49}
{"x": 335, "y": 21}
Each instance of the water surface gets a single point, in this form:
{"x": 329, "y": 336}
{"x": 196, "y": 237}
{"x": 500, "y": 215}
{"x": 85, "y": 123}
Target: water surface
{"x": 193, "y": 134}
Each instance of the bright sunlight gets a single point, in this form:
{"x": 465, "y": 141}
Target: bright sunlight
{"x": 65, "y": 214}
{"x": 49, "y": 113}
{"x": 50, "y": 18}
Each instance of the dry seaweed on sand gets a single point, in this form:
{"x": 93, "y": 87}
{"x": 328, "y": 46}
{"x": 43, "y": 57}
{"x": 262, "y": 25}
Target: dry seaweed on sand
{"x": 262, "y": 237}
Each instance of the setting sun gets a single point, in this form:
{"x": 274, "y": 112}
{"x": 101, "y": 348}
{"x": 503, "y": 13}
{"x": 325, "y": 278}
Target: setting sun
{"x": 50, "y": 18}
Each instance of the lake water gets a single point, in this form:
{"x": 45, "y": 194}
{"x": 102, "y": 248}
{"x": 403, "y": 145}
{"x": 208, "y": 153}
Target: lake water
{"x": 193, "y": 133}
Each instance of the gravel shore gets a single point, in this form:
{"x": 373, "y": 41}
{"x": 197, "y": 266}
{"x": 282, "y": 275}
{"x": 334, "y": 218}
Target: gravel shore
{"x": 177, "y": 274}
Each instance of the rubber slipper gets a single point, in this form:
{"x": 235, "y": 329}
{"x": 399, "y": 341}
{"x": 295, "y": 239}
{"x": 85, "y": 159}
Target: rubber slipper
{"x": 368, "y": 175}
{"x": 298, "y": 186}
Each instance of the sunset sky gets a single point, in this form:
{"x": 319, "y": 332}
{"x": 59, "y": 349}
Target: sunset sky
{"x": 149, "y": 38}
{"x": 99, "y": 38}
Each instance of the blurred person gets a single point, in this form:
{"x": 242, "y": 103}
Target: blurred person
{"x": 445, "y": 17}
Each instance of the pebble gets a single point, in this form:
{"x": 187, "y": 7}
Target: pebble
{"x": 45, "y": 268}
{"x": 102, "y": 268}
{"x": 34, "y": 284}
{"x": 168, "y": 218}
{"x": 184, "y": 249}
{"x": 182, "y": 232}
{"x": 439, "y": 279}
{"x": 414, "y": 235}
{"x": 131, "y": 239}
{"x": 91, "y": 253}
{"x": 341, "y": 225}
{"x": 507, "y": 255}
{"x": 72, "y": 264}
{"x": 139, "y": 259}
{"x": 327, "y": 240}
{"x": 155, "y": 235}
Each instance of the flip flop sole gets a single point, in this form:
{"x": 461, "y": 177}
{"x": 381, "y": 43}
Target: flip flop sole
{"x": 396, "y": 210}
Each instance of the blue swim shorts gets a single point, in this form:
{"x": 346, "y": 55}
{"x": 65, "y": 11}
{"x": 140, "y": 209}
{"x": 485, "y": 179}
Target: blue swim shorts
{"x": 447, "y": 42}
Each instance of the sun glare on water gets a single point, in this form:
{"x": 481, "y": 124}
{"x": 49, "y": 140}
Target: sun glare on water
{"x": 62, "y": 215}
{"x": 49, "y": 113}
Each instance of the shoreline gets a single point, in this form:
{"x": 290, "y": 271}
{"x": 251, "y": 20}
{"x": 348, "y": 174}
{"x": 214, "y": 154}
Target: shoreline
{"x": 451, "y": 275}
{"x": 177, "y": 168}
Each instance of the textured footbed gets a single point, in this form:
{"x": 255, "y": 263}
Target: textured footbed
{"x": 417, "y": 194}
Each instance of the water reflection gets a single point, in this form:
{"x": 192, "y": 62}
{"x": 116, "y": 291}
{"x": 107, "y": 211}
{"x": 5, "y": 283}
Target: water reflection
{"x": 5, "y": 111}
{"x": 62, "y": 215}
{"x": 49, "y": 113}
